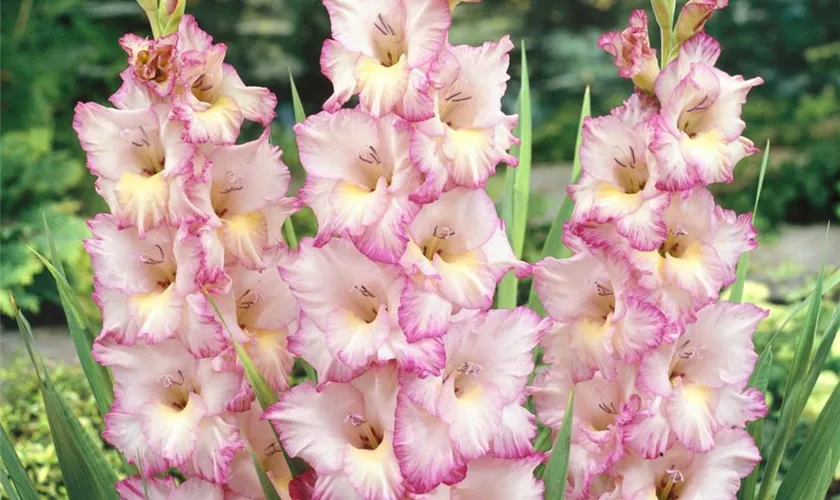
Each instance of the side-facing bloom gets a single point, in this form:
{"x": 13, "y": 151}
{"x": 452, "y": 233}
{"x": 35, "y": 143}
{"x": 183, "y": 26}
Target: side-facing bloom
{"x": 381, "y": 52}
{"x": 601, "y": 317}
{"x": 139, "y": 160}
{"x": 702, "y": 376}
{"x": 634, "y": 57}
{"x": 473, "y": 408}
{"x": 211, "y": 100}
{"x": 457, "y": 252}
{"x": 698, "y": 132}
{"x": 360, "y": 179}
{"x": 681, "y": 473}
{"x": 243, "y": 479}
{"x": 693, "y": 17}
{"x": 150, "y": 289}
{"x": 469, "y": 134}
{"x": 603, "y": 411}
{"x": 261, "y": 314}
{"x": 345, "y": 432}
{"x": 696, "y": 260}
{"x": 170, "y": 408}
{"x": 618, "y": 176}
{"x": 354, "y": 303}
{"x": 241, "y": 193}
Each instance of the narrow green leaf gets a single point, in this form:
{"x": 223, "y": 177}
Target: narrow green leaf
{"x": 269, "y": 491}
{"x": 266, "y": 396}
{"x": 737, "y": 290}
{"x": 828, "y": 286}
{"x": 98, "y": 377}
{"x": 553, "y": 246}
{"x": 22, "y": 487}
{"x": 517, "y": 189}
{"x": 6, "y": 482}
{"x": 759, "y": 379}
{"x": 86, "y": 473}
{"x": 300, "y": 114}
{"x": 289, "y": 232}
{"x": 522, "y": 176}
{"x": 794, "y": 383}
{"x": 558, "y": 463}
{"x": 804, "y": 478}
{"x": 818, "y": 363}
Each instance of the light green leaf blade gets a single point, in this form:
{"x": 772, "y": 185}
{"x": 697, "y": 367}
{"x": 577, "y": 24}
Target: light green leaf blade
{"x": 818, "y": 363}
{"x": 86, "y": 473}
{"x": 553, "y": 246}
{"x": 759, "y": 379}
{"x": 517, "y": 189}
{"x": 97, "y": 376}
{"x": 558, "y": 463}
{"x": 805, "y": 476}
{"x": 736, "y": 292}
{"x": 22, "y": 486}
{"x": 300, "y": 114}
{"x": 794, "y": 383}
{"x": 269, "y": 491}
{"x": 522, "y": 174}
{"x": 6, "y": 482}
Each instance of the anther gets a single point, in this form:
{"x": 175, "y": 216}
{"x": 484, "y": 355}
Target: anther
{"x": 363, "y": 291}
{"x": 170, "y": 380}
{"x": 145, "y": 259}
{"x": 247, "y": 299}
{"x": 271, "y": 449}
{"x": 443, "y": 232}
{"x": 354, "y": 419}
{"x": 233, "y": 182}
{"x": 602, "y": 290}
{"x": 469, "y": 368}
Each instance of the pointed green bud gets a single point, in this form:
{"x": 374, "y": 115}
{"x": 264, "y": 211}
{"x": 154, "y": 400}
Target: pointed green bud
{"x": 150, "y": 8}
{"x": 169, "y": 15}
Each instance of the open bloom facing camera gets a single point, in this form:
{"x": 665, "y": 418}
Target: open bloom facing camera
{"x": 367, "y": 361}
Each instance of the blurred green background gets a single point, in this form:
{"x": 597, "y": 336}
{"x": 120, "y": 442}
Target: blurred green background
{"x": 54, "y": 53}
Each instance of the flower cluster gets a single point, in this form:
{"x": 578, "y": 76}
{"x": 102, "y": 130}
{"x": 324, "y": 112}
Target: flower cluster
{"x": 659, "y": 367}
{"x": 194, "y": 225}
{"x": 420, "y": 384}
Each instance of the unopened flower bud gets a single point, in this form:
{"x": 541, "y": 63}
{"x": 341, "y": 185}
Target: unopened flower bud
{"x": 693, "y": 17}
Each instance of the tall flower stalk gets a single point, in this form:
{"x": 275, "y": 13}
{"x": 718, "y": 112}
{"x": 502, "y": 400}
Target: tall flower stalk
{"x": 420, "y": 388}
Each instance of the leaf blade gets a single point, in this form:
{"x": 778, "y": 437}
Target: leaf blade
{"x": 98, "y": 377}
{"x": 85, "y": 471}
{"x": 22, "y": 486}
{"x": 558, "y": 462}
{"x": 518, "y": 189}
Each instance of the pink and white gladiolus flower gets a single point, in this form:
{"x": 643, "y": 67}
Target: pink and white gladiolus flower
{"x": 354, "y": 304}
{"x": 381, "y": 53}
{"x": 693, "y": 17}
{"x": 474, "y": 407}
{"x": 170, "y": 409}
{"x": 361, "y": 182}
{"x": 618, "y": 176}
{"x": 634, "y": 57}
{"x": 698, "y": 132}
{"x": 469, "y": 134}
{"x": 457, "y": 252}
{"x": 345, "y": 432}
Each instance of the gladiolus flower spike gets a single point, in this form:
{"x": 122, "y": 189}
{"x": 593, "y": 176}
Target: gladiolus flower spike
{"x": 421, "y": 386}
